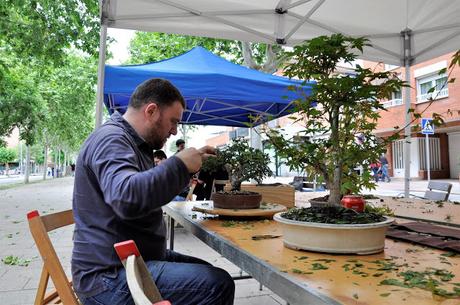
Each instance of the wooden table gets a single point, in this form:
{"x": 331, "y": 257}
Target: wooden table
{"x": 302, "y": 277}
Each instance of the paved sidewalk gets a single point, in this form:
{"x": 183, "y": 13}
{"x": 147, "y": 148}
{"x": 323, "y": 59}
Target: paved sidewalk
{"x": 18, "y": 284}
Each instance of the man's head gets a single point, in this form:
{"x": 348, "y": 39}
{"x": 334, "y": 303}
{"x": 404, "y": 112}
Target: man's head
{"x": 155, "y": 108}
{"x": 159, "y": 156}
{"x": 180, "y": 144}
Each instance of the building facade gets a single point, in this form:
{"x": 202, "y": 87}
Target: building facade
{"x": 444, "y": 145}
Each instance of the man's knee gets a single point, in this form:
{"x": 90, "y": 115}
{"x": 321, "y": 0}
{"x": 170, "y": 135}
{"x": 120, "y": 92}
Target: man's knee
{"x": 223, "y": 285}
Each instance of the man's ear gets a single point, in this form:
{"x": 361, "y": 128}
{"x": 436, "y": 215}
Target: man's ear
{"x": 151, "y": 110}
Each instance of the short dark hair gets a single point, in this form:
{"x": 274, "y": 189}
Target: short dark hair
{"x": 179, "y": 142}
{"x": 159, "y": 154}
{"x": 157, "y": 90}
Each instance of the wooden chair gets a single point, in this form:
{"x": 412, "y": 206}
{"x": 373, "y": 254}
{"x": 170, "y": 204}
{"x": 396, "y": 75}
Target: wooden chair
{"x": 39, "y": 227}
{"x": 141, "y": 285}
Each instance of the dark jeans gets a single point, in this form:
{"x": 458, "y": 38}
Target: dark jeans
{"x": 181, "y": 279}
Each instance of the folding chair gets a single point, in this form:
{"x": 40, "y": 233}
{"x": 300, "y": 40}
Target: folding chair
{"x": 141, "y": 285}
{"x": 39, "y": 227}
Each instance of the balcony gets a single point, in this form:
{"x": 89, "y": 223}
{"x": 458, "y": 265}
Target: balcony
{"x": 437, "y": 94}
{"x": 392, "y": 103}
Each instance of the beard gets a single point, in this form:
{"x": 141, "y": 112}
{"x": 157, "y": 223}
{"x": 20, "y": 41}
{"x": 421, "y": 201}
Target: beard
{"x": 154, "y": 137}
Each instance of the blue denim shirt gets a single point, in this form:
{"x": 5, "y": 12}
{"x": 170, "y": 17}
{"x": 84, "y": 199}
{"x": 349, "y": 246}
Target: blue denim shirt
{"x": 118, "y": 195}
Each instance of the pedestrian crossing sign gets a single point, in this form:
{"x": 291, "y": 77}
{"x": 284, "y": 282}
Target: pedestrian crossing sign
{"x": 427, "y": 126}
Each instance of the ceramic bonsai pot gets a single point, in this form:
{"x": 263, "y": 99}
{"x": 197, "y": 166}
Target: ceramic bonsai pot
{"x": 247, "y": 200}
{"x": 334, "y": 238}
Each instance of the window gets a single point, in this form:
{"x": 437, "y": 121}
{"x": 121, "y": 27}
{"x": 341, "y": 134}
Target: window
{"x": 390, "y": 67}
{"x": 439, "y": 82}
{"x": 396, "y": 100}
{"x": 435, "y": 153}
{"x": 398, "y": 154}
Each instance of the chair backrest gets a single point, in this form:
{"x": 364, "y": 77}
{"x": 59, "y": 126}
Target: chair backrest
{"x": 438, "y": 190}
{"x": 39, "y": 227}
{"x": 141, "y": 285}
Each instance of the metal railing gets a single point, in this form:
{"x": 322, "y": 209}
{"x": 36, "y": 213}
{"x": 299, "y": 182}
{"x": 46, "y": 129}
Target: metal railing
{"x": 435, "y": 95}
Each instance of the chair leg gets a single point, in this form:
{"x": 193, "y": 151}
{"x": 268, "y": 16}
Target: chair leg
{"x": 44, "y": 277}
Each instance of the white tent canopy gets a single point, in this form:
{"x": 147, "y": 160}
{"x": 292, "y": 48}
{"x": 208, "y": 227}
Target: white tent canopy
{"x": 402, "y": 32}
{"x": 434, "y": 26}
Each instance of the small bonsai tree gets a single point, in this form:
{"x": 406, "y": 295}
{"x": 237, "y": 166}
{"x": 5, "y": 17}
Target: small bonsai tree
{"x": 242, "y": 163}
{"x": 339, "y": 116}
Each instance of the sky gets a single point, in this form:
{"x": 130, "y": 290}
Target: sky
{"x": 119, "y": 50}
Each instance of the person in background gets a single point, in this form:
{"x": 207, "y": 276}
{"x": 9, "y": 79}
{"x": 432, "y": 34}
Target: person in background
{"x": 375, "y": 168}
{"x": 180, "y": 145}
{"x": 384, "y": 167}
{"x": 159, "y": 156}
{"x": 118, "y": 195}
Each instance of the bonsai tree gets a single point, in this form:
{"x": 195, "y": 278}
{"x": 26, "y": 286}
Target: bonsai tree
{"x": 339, "y": 116}
{"x": 242, "y": 163}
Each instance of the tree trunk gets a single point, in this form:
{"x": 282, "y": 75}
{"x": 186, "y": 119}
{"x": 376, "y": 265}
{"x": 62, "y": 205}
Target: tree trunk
{"x": 64, "y": 168}
{"x": 27, "y": 167}
{"x": 45, "y": 162}
{"x": 236, "y": 185}
{"x": 335, "y": 193}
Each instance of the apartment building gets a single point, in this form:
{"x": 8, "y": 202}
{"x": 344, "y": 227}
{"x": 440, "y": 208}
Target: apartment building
{"x": 444, "y": 145}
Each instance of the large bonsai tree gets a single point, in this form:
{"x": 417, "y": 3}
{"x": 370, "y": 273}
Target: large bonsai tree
{"x": 242, "y": 163}
{"x": 339, "y": 116}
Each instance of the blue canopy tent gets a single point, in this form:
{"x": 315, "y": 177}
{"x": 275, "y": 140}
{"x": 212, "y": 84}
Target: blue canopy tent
{"x": 217, "y": 92}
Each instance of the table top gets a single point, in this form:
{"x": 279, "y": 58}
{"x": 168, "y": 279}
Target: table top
{"x": 302, "y": 277}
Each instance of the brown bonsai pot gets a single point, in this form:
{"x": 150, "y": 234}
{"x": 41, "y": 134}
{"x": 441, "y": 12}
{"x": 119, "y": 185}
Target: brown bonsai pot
{"x": 236, "y": 200}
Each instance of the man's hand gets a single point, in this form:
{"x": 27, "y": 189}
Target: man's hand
{"x": 193, "y": 158}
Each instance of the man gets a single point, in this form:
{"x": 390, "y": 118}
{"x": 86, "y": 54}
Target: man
{"x": 159, "y": 156}
{"x": 384, "y": 167}
{"x": 180, "y": 145}
{"x": 118, "y": 196}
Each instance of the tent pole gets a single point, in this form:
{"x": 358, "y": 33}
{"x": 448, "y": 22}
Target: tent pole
{"x": 101, "y": 72}
{"x": 406, "y": 36}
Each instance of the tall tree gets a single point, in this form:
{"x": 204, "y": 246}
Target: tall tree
{"x": 151, "y": 47}
{"x": 7, "y": 155}
{"x": 45, "y": 29}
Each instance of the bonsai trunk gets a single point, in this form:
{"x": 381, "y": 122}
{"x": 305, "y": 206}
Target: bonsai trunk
{"x": 236, "y": 185}
{"x": 334, "y": 188}
{"x": 334, "y": 195}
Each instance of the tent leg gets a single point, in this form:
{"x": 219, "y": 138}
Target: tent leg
{"x": 101, "y": 73}
{"x": 406, "y": 36}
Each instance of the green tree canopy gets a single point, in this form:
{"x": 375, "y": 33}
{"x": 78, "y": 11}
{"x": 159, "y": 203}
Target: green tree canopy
{"x": 46, "y": 29}
{"x": 7, "y": 155}
{"x": 151, "y": 47}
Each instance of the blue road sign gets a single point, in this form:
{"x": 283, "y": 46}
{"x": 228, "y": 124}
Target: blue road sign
{"x": 427, "y": 126}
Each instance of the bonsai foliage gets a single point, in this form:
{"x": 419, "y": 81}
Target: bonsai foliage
{"x": 338, "y": 117}
{"x": 243, "y": 163}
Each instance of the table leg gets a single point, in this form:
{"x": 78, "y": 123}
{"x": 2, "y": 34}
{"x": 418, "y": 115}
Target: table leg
{"x": 171, "y": 233}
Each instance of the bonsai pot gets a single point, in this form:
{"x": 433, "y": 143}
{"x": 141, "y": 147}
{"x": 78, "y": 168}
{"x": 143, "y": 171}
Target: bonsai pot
{"x": 236, "y": 200}
{"x": 334, "y": 238}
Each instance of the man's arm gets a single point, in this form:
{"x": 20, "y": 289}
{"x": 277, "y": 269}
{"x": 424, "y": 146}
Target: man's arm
{"x": 130, "y": 191}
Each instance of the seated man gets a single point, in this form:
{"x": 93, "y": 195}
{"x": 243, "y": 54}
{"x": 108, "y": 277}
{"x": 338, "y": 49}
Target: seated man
{"x": 118, "y": 195}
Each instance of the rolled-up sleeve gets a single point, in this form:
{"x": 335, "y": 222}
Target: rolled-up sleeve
{"x": 130, "y": 191}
